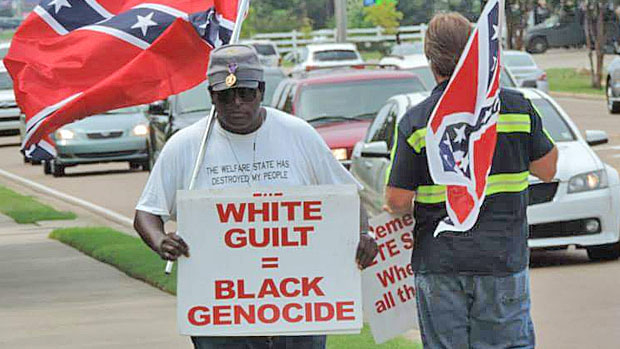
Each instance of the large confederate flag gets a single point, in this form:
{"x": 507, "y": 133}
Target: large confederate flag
{"x": 461, "y": 133}
{"x": 75, "y": 58}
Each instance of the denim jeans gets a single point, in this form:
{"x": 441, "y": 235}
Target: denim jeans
{"x": 474, "y": 311}
{"x": 282, "y": 342}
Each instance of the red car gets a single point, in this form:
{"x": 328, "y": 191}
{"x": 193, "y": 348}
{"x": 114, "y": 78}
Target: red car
{"x": 341, "y": 103}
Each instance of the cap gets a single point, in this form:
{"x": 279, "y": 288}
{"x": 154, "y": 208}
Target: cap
{"x": 233, "y": 66}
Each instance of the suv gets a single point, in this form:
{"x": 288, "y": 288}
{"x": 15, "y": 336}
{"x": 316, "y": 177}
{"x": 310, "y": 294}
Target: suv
{"x": 341, "y": 103}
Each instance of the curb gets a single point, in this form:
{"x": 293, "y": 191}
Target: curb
{"x": 576, "y": 95}
{"x": 101, "y": 211}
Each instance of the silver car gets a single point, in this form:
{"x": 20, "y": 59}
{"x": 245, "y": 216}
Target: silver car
{"x": 9, "y": 111}
{"x": 525, "y": 70}
{"x": 581, "y": 207}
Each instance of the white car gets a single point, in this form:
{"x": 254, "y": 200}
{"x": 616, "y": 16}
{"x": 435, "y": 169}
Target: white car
{"x": 580, "y": 207}
{"x": 267, "y": 52}
{"x": 9, "y": 111}
{"x": 525, "y": 70}
{"x": 317, "y": 56}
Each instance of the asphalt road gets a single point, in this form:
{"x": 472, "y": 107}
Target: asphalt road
{"x": 567, "y": 58}
{"x": 576, "y": 303}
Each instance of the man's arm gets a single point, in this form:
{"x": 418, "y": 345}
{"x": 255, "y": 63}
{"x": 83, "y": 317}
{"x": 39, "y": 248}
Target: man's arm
{"x": 151, "y": 229}
{"x": 398, "y": 201}
{"x": 367, "y": 248}
{"x": 545, "y": 167}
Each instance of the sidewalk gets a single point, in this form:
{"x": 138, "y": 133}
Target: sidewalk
{"x": 55, "y": 297}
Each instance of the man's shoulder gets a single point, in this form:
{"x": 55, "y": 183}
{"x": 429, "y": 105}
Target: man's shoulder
{"x": 185, "y": 138}
{"x": 416, "y": 117}
{"x": 513, "y": 101}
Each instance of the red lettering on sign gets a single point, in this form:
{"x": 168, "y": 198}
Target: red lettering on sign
{"x": 198, "y": 316}
{"x": 275, "y": 313}
{"x": 221, "y": 315}
{"x": 286, "y": 313}
{"x": 343, "y": 308}
{"x": 268, "y": 237}
{"x": 312, "y": 211}
{"x": 237, "y": 212}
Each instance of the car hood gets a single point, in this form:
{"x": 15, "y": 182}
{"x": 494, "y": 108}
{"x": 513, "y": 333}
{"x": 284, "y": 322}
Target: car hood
{"x": 107, "y": 122}
{"x": 575, "y": 158}
{"x": 7, "y": 95}
{"x": 343, "y": 134}
{"x": 525, "y": 72}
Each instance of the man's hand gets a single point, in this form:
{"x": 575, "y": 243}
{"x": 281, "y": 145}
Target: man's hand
{"x": 171, "y": 247}
{"x": 366, "y": 251}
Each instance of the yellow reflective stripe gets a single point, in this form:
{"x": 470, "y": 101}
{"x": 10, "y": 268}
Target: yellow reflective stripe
{"x": 417, "y": 140}
{"x": 388, "y": 171}
{"x": 508, "y": 123}
{"x": 540, "y": 115}
{"x": 498, "y": 183}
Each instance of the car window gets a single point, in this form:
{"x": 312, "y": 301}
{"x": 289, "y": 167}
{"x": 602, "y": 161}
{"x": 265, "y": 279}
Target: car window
{"x": 519, "y": 60}
{"x": 378, "y": 122}
{"x": 290, "y": 98}
{"x": 6, "y": 83}
{"x": 408, "y": 49}
{"x": 265, "y": 49}
{"x": 194, "y": 100}
{"x": 335, "y": 55}
{"x": 385, "y": 132}
{"x": 363, "y": 98}
{"x": 553, "y": 121}
{"x": 426, "y": 75}
{"x": 271, "y": 82}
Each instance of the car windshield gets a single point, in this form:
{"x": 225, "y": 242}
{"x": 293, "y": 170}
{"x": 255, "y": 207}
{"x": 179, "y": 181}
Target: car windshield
{"x": 6, "y": 83}
{"x": 265, "y": 49}
{"x": 335, "y": 55}
{"x": 552, "y": 21}
{"x": 553, "y": 121}
{"x": 352, "y": 99}
{"x": 519, "y": 60}
{"x": 408, "y": 49}
{"x": 128, "y": 110}
{"x": 505, "y": 80}
{"x": 426, "y": 75}
{"x": 195, "y": 100}
{"x": 272, "y": 80}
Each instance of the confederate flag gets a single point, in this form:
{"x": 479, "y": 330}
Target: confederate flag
{"x": 461, "y": 133}
{"x": 75, "y": 58}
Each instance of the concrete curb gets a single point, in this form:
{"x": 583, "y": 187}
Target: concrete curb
{"x": 576, "y": 95}
{"x": 98, "y": 210}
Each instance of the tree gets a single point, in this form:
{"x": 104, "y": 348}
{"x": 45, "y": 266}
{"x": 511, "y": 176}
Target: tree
{"x": 384, "y": 15}
{"x": 596, "y": 38}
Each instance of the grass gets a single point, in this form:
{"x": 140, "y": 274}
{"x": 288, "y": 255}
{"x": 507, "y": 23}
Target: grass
{"x": 133, "y": 257}
{"x": 571, "y": 80}
{"x": 371, "y": 55}
{"x": 27, "y": 210}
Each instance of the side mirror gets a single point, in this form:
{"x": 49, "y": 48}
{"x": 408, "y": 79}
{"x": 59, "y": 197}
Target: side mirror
{"x": 596, "y": 137}
{"x": 375, "y": 150}
{"x": 159, "y": 108}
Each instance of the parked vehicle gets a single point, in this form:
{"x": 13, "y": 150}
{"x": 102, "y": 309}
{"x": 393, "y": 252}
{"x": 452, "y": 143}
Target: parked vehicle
{"x": 525, "y": 70}
{"x": 318, "y": 56}
{"x": 407, "y": 49}
{"x": 9, "y": 111}
{"x": 341, "y": 103}
{"x": 613, "y": 86}
{"x": 167, "y": 117}
{"x": 581, "y": 207}
{"x": 267, "y": 52}
{"x": 115, "y": 136}
{"x": 4, "y": 49}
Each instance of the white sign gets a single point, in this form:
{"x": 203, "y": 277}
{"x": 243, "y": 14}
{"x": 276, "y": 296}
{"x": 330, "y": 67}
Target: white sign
{"x": 389, "y": 289}
{"x": 268, "y": 261}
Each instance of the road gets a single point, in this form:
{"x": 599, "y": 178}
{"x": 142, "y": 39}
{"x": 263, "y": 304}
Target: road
{"x": 576, "y": 303}
{"x": 567, "y": 58}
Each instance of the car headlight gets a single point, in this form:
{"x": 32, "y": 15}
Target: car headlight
{"x": 63, "y": 134}
{"x": 141, "y": 130}
{"x": 588, "y": 181}
{"x": 340, "y": 154}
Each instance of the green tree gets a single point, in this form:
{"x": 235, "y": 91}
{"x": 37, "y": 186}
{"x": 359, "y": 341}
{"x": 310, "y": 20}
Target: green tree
{"x": 384, "y": 15}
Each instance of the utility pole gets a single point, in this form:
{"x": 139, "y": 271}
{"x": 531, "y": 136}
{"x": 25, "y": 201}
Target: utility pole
{"x": 19, "y": 8}
{"x": 341, "y": 20}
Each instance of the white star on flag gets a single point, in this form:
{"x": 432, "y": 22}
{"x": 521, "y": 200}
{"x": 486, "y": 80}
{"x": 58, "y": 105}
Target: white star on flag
{"x": 59, "y": 4}
{"x": 495, "y": 33}
{"x": 460, "y": 134}
{"x": 144, "y": 22}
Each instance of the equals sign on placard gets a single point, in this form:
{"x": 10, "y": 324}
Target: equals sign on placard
{"x": 269, "y": 262}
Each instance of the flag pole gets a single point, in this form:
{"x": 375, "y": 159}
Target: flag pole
{"x": 243, "y": 7}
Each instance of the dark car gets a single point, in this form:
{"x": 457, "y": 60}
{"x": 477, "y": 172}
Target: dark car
{"x": 341, "y": 103}
{"x": 179, "y": 111}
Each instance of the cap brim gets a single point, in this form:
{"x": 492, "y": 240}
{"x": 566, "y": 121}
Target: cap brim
{"x": 240, "y": 83}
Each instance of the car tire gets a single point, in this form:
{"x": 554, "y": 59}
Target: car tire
{"x": 58, "y": 170}
{"x": 26, "y": 160}
{"x": 35, "y": 162}
{"x": 47, "y": 167}
{"x": 134, "y": 165}
{"x": 612, "y": 107}
{"x": 538, "y": 45}
{"x": 608, "y": 252}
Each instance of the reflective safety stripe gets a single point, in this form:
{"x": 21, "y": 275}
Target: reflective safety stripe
{"x": 508, "y": 123}
{"x": 417, "y": 140}
{"x": 388, "y": 171}
{"x": 496, "y": 184}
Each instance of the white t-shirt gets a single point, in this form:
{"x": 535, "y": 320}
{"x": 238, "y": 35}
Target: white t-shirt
{"x": 284, "y": 151}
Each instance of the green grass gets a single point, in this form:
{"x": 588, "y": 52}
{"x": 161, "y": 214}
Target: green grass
{"x": 133, "y": 257}
{"x": 571, "y": 80}
{"x": 26, "y": 210}
{"x": 371, "y": 55}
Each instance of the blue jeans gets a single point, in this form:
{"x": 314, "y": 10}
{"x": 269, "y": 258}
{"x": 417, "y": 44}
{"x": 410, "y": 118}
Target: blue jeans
{"x": 282, "y": 342}
{"x": 474, "y": 311}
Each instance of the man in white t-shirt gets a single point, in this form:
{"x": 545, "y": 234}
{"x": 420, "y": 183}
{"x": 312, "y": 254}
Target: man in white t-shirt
{"x": 249, "y": 146}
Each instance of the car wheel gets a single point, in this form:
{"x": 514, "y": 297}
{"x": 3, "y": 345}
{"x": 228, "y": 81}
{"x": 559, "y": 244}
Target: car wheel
{"x": 608, "y": 252}
{"x": 134, "y": 165}
{"x": 612, "y": 107}
{"x": 35, "y": 162}
{"x": 538, "y": 45}
{"x": 47, "y": 167}
{"x": 26, "y": 160}
{"x": 58, "y": 170}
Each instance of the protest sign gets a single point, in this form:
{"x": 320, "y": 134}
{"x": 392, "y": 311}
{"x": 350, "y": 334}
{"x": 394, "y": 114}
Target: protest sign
{"x": 389, "y": 289}
{"x": 268, "y": 261}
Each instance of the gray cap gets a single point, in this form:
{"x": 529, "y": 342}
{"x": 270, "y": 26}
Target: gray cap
{"x": 233, "y": 66}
